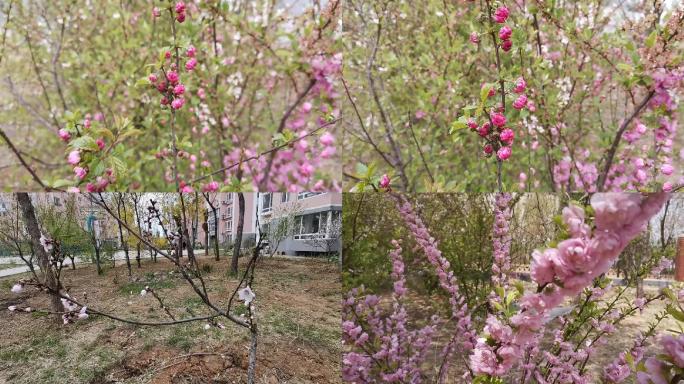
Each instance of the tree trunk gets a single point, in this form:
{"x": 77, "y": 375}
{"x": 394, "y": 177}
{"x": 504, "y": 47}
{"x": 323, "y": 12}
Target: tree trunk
{"x": 251, "y": 368}
{"x": 119, "y": 201}
{"x": 216, "y": 224}
{"x": 238, "y": 237}
{"x": 205, "y": 227}
{"x": 97, "y": 256}
{"x": 49, "y": 278}
{"x": 185, "y": 235}
{"x": 135, "y": 199}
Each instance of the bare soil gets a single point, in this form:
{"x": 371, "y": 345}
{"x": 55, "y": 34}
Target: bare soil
{"x": 297, "y": 308}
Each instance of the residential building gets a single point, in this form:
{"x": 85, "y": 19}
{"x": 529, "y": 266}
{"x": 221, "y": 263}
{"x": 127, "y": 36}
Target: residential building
{"x": 309, "y": 222}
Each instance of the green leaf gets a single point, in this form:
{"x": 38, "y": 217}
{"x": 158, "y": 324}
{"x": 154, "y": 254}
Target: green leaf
{"x": 651, "y": 39}
{"x": 675, "y": 313}
{"x": 484, "y": 92}
{"x": 85, "y": 143}
{"x": 61, "y": 183}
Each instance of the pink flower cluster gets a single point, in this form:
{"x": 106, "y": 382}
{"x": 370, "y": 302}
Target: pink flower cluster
{"x": 390, "y": 350}
{"x": 500, "y": 16}
{"x": 572, "y": 265}
{"x": 465, "y": 334}
{"x": 294, "y": 167}
{"x": 501, "y": 239}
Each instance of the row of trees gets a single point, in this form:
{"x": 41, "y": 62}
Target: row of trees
{"x": 134, "y": 218}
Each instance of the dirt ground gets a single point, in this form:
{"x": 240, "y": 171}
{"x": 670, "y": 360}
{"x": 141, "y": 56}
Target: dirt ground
{"x": 298, "y": 312}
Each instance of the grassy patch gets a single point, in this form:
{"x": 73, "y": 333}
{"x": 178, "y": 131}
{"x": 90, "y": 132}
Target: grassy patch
{"x": 136, "y": 287}
{"x": 9, "y": 266}
{"x": 286, "y": 325}
{"x": 39, "y": 346}
{"x": 184, "y": 336}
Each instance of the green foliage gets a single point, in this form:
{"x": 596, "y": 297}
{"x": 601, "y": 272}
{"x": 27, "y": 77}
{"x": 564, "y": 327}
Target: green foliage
{"x": 461, "y": 223}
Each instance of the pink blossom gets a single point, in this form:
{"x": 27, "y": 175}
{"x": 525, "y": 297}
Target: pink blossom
{"x": 507, "y": 45}
{"x": 520, "y": 85}
{"x": 177, "y": 103}
{"x": 172, "y": 77}
{"x": 543, "y": 266}
{"x": 87, "y": 123}
{"x": 64, "y": 135}
{"x": 384, "y": 181}
{"x": 674, "y": 347}
{"x": 211, "y": 187}
{"x": 505, "y": 32}
{"x": 327, "y": 139}
{"x": 191, "y": 51}
{"x": 667, "y": 187}
{"x": 191, "y": 64}
{"x": 100, "y": 143}
{"x": 503, "y": 153}
{"x": 474, "y": 38}
{"x": 180, "y": 7}
{"x": 152, "y": 78}
{"x": 488, "y": 149}
{"x": 80, "y": 172}
{"x": 666, "y": 169}
{"x": 74, "y": 157}
{"x": 498, "y": 119}
{"x": 179, "y": 89}
{"x": 520, "y": 102}
{"x": 156, "y": 12}
{"x": 507, "y": 135}
{"x": 501, "y": 15}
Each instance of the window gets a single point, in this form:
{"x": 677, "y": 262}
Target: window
{"x": 267, "y": 203}
{"x": 57, "y": 201}
{"x": 284, "y": 197}
{"x": 312, "y": 226}
{"x": 306, "y": 195}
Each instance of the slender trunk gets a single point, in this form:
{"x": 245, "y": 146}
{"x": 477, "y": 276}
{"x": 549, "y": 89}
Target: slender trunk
{"x": 251, "y": 368}
{"x": 73, "y": 262}
{"x": 121, "y": 237}
{"x": 186, "y": 234}
{"x": 195, "y": 222}
{"x": 205, "y": 226}
{"x": 216, "y": 224}
{"x": 238, "y": 237}
{"x": 97, "y": 258}
{"x": 49, "y": 278}
{"x": 135, "y": 198}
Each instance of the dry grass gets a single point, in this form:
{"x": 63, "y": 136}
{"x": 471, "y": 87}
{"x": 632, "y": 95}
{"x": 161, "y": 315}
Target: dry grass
{"x": 297, "y": 309}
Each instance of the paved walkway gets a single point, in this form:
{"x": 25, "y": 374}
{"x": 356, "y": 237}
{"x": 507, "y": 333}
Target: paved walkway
{"x": 119, "y": 256}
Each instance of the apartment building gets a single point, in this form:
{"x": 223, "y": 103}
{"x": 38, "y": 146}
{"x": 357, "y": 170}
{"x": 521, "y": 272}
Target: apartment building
{"x": 226, "y": 219}
{"x": 310, "y": 223}
{"x": 305, "y": 223}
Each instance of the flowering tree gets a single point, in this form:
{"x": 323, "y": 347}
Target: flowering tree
{"x": 70, "y": 307}
{"x": 531, "y": 95}
{"x": 528, "y": 334}
{"x": 170, "y": 95}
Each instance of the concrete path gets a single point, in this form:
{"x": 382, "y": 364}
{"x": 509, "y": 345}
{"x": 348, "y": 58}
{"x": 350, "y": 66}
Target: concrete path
{"x": 118, "y": 256}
